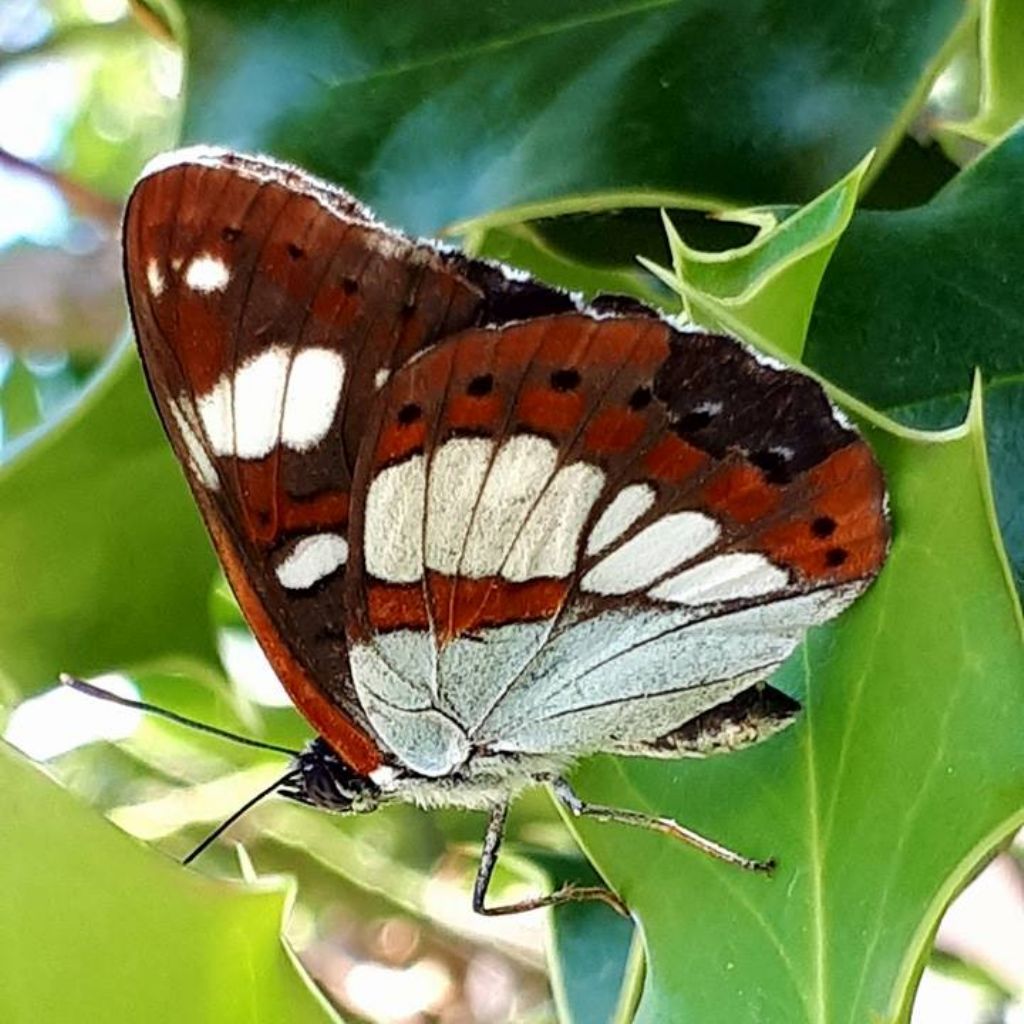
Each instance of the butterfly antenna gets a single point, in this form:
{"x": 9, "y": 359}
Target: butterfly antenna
{"x": 95, "y": 691}
{"x": 289, "y": 776}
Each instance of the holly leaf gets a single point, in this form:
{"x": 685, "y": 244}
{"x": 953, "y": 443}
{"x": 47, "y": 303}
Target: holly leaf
{"x": 1001, "y": 94}
{"x": 913, "y": 300}
{"x": 435, "y": 117}
{"x": 770, "y": 283}
{"x": 522, "y": 245}
{"x": 437, "y": 114}
{"x": 146, "y": 939}
{"x": 106, "y": 561}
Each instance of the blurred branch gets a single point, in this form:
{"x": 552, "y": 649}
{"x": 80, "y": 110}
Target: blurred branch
{"x": 84, "y": 200}
{"x": 154, "y": 19}
{"x": 54, "y": 300}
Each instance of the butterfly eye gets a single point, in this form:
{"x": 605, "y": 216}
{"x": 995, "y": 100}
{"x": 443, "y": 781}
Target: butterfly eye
{"x": 565, "y": 380}
{"x": 230, "y": 234}
{"x": 480, "y": 386}
{"x": 823, "y": 526}
{"x": 296, "y": 252}
{"x": 349, "y": 285}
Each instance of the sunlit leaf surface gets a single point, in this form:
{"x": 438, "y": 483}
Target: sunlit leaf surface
{"x": 108, "y": 931}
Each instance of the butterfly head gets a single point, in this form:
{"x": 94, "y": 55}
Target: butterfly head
{"x": 323, "y": 780}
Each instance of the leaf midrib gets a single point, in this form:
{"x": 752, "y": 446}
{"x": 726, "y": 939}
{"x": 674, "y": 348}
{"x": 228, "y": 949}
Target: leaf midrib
{"x": 501, "y": 43}
{"x": 816, "y": 863}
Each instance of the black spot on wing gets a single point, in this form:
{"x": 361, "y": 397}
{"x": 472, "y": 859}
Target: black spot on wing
{"x": 480, "y": 385}
{"x": 641, "y": 398}
{"x": 823, "y": 526}
{"x": 566, "y": 379}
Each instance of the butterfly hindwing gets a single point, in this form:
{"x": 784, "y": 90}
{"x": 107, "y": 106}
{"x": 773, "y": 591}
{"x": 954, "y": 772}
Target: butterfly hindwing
{"x": 583, "y": 531}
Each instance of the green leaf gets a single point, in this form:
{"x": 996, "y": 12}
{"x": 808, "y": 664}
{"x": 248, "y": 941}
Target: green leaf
{"x": 596, "y": 958}
{"x": 1001, "y": 103}
{"x": 19, "y": 401}
{"x": 105, "y": 560}
{"x": 914, "y": 300}
{"x": 905, "y": 770}
{"x": 770, "y": 283}
{"x": 443, "y": 112}
{"x": 595, "y": 953}
{"x": 95, "y": 927}
{"x": 928, "y": 293}
{"x": 437, "y": 113}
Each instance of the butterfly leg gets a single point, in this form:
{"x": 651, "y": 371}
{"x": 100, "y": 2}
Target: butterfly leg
{"x": 580, "y": 809}
{"x": 489, "y": 859}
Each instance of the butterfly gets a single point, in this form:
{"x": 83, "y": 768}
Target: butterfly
{"x": 480, "y": 527}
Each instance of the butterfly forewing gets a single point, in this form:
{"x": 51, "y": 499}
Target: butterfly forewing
{"x": 580, "y": 532}
{"x": 269, "y": 310}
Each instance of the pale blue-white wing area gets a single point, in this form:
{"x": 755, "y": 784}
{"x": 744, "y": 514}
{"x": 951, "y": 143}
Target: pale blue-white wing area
{"x": 578, "y": 533}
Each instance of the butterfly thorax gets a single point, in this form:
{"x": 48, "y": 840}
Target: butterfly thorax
{"x": 325, "y": 781}
{"x": 484, "y": 780}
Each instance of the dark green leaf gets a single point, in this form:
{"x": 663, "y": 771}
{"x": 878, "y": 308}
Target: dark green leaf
{"x": 914, "y": 300}
{"x": 594, "y": 950}
{"x": 442, "y": 112}
{"x": 521, "y": 246}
